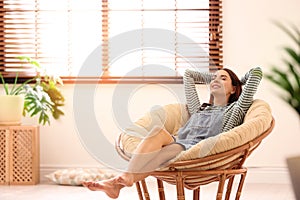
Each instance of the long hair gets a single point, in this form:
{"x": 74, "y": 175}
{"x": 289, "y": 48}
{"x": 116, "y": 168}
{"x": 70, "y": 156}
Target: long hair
{"x": 235, "y": 82}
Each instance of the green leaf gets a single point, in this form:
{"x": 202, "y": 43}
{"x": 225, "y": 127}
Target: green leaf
{"x": 275, "y": 81}
{"x": 282, "y": 80}
{"x": 35, "y": 63}
{"x": 44, "y": 118}
{"x": 288, "y": 32}
{"x": 27, "y": 58}
{"x": 36, "y": 111}
{"x": 293, "y": 54}
{"x": 14, "y": 85}
{"x": 30, "y": 60}
{"x": 4, "y": 84}
{"x": 57, "y": 113}
{"x": 294, "y": 73}
{"x": 297, "y": 31}
{"x": 16, "y": 90}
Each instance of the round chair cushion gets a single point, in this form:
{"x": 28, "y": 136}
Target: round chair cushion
{"x": 173, "y": 116}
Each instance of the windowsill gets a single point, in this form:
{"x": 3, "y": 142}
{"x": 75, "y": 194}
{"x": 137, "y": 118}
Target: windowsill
{"x": 122, "y": 80}
{"x": 108, "y": 80}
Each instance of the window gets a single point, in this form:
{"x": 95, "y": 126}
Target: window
{"x": 58, "y": 33}
{"x": 160, "y": 39}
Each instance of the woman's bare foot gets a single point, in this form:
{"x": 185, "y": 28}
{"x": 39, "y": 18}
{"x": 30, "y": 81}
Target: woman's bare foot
{"x": 110, "y": 187}
{"x": 125, "y": 179}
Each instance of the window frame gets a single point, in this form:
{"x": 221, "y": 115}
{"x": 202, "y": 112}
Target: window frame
{"x": 215, "y": 52}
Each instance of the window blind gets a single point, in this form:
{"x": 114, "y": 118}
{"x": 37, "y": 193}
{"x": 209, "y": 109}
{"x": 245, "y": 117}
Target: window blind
{"x": 61, "y": 34}
{"x": 196, "y": 41}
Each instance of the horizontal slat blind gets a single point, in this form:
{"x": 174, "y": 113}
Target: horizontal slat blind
{"x": 18, "y": 34}
{"x": 61, "y": 34}
{"x": 200, "y": 21}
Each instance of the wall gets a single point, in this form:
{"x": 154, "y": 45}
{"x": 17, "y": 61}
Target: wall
{"x": 250, "y": 39}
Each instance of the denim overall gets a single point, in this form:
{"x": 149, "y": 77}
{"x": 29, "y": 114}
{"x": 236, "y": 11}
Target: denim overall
{"x": 201, "y": 125}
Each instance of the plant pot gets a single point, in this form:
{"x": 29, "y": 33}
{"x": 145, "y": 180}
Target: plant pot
{"x": 11, "y": 109}
{"x": 293, "y": 164}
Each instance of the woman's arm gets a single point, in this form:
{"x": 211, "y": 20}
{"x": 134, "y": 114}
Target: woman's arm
{"x": 190, "y": 79}
{"x": 251, "y": 81}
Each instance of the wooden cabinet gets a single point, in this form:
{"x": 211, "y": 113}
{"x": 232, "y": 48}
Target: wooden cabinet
{"x": 19, "y": 155}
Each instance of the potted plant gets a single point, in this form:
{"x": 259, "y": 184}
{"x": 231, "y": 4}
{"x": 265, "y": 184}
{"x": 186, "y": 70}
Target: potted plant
{"x": 11, "y": 106}
{"x": 289, "y": 81}
{"x": 38, "y": 96}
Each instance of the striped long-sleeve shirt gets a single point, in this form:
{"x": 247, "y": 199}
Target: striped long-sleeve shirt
{"x": 236, "y": 111}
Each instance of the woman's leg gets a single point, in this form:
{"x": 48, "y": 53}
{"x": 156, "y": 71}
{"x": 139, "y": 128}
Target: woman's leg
{"x": 148, "y": 149}
{"x": 113, "y": 186}
{"x": 156, "y": 149}
{"x": 142, "y": 165}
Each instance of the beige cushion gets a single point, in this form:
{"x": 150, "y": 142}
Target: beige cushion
{"x": 173, "y": 116}
{"x": 257, "y": 120}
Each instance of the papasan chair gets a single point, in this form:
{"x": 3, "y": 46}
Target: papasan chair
{"x": 217, "y": 159}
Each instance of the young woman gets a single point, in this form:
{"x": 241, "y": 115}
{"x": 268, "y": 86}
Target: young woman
{"x": 227, "y": 108}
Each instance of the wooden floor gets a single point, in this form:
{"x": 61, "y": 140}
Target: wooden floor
{"x": 48, "y": 191}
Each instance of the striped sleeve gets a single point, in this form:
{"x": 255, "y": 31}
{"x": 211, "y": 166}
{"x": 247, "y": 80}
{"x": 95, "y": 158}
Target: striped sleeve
{"x": 190, "y": 79}
{"x": 236, "y": 114}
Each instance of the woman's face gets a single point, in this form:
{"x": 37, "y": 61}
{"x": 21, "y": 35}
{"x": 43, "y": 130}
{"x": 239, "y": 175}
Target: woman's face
{"x": 221, "y": 85}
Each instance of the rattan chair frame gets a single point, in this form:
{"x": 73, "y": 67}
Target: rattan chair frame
{"x": 191, "y": 174}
